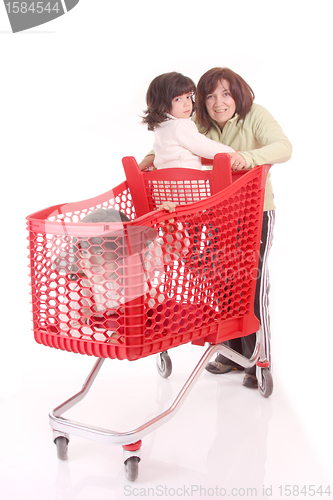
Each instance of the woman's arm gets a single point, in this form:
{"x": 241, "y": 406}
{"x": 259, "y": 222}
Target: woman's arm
{"x": 273, "y": 145}
{"x": 237, "y": 161}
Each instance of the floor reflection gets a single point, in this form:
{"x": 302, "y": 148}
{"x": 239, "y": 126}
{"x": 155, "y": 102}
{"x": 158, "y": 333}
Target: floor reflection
{"x": 224, "y": 437}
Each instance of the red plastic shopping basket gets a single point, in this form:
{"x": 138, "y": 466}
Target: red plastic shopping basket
{"x": 158, "y": 280}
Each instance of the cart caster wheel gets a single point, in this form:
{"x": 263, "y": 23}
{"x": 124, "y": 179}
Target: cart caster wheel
{"x": 132, "y": 468}
{"x": 61, "y": 443}
{"x": 164, "y": 364}
{"x": 266, "y": 385}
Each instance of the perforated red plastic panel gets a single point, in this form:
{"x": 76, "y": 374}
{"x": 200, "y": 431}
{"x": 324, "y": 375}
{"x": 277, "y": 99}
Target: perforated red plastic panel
{"x": 130, "y": 289}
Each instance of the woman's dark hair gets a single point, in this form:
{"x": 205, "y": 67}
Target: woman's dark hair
{"x": 159, "y": 96}
{"x": 240, "y": 91}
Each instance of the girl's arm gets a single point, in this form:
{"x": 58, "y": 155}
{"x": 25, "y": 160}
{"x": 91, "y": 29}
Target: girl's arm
{"x": 148, "y": 161}
{"x": 190, "y": 138}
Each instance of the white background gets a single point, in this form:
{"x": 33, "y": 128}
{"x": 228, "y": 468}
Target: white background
{"x": 71, "y": 94}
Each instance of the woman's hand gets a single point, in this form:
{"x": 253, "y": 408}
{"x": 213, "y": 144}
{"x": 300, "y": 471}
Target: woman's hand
{"x": 148, "y": 161}
{"x": 237, "y": 161}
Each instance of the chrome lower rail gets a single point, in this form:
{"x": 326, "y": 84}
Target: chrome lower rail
{"x": 63, "y": 426}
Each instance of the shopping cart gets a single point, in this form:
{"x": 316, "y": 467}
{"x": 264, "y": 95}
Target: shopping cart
{"x": 189, "y": 276}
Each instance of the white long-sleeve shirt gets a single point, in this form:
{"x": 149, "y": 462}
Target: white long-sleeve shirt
{"x": 179, "y": 144}
{"x": 97, "y": 297}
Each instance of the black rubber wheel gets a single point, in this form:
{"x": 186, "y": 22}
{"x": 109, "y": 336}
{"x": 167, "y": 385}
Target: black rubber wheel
{"x": 164, "y": 364}
{"x": 132, "y": 468}
{"x": 62, "y": 447}
{"x": 266, "y": 386}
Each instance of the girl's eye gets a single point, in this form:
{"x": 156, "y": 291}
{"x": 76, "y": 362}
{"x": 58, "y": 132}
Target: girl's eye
{"x": 210, "y": 96}
{"x": 83, "y": 253}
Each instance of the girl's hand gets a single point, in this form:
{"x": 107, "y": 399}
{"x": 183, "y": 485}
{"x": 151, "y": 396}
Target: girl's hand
{"x": 169, "y": 206}
{"x": 237, "y": 161}
{"x": 148, "y": 161}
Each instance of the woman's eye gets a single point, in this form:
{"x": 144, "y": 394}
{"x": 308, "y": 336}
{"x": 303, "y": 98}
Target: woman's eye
{"x": 209, "y": 96}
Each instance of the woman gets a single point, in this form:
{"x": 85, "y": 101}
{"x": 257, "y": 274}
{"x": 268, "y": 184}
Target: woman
{"x": 225, "y": 112}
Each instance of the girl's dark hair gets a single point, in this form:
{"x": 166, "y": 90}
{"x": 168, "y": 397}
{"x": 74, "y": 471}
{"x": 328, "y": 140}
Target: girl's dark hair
{"x": 105, "y": 215}
{"x": 240, "y": 91}
{"x": 98, "y": 215}
{"x": 159, "y": 96}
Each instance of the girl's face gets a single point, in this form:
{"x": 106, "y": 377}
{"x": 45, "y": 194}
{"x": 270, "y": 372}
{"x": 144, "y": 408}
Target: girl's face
{"x": 220, "y": 106}
{"x": 182, "y": 106}
{"x": 96, "y": 263}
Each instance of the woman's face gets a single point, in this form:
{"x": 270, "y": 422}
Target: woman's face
{"x": 220, "y": 106}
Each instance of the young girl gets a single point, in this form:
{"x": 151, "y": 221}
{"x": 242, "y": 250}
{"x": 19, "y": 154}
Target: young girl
{"x": 92, "y": 306}
{"x": 96, "y": 293}
{"x": 177, "y": 143}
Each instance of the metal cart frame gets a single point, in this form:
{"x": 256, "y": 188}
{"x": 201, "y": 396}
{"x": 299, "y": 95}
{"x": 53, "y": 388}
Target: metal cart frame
{"x": 216, "y": 184}
{"x": 131, "y": 441}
